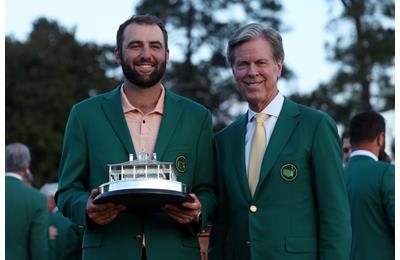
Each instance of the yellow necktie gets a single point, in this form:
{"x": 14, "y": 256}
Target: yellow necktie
{"x": 257, "y": 151}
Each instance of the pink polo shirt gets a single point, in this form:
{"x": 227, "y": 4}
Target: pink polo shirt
{"x": 143, "y": 127}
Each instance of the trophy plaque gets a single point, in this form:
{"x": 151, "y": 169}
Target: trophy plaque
{"x": 142, "y": 185}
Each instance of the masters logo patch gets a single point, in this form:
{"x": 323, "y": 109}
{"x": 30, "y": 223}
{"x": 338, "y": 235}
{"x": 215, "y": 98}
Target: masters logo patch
{"x": 289, "y": 172}
{"x": 181, "y": 163}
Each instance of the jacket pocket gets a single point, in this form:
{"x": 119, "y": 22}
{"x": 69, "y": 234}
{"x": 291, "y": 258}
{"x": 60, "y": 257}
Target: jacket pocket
{"x": 301, "y": 245}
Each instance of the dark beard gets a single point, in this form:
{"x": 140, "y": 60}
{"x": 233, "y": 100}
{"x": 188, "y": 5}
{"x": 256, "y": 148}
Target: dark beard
{"x": 135, "y": 78}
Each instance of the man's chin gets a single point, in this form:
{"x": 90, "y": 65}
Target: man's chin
{"x": 144, "y": 84}
{"x": 143, "y": 80}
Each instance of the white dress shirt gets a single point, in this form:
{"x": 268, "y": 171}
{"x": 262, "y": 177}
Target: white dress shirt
{"x": 273, "y": 110}
{"x": 365, "y": 153}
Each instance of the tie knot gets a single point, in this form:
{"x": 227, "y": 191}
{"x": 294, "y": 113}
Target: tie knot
{"x": 261, "y": 118}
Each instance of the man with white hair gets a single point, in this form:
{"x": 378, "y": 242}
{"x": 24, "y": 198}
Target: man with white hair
{"x": 25, "y": 209}
{"x": 281, "y": 188}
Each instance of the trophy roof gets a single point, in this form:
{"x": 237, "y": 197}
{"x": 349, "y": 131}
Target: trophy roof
{"x": 140, "y": 162}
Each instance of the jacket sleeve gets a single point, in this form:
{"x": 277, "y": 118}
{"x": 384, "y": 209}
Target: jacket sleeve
{"x": 72, "y": 194}
{"x": 331, "y": 193}
{"x": 204, "y": 178}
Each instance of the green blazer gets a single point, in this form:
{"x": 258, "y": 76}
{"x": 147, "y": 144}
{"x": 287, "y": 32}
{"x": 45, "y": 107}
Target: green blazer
{"x": 67, "y": 244}
{"x": 371, "y": 193}
{"x": 97, "y": 135}
{"x": 300, "y": 208}
{"x": 25, "y": 222}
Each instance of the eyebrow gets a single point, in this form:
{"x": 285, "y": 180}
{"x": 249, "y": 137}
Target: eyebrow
{"x": 141, "y": 42}
{"x": 156, "y": 42}
{"x": 262, "y": 60}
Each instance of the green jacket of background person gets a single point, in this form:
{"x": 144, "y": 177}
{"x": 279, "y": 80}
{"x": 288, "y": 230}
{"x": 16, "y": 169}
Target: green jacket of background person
{"x": 26, "y": 233}
{"x": 65, "y": 243}
{"x": 371, "y": 189}
{"x": 97, "y": 135}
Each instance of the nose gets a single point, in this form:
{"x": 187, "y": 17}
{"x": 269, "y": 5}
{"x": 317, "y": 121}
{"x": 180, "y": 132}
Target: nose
{"x": 145, "y": 53}
{"x": 252, "y": 71}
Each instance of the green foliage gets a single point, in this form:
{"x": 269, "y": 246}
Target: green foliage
{"x": 365, "y": 55}
{"x": 44, "y": 77}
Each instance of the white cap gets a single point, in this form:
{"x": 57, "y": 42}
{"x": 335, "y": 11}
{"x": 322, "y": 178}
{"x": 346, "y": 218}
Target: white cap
{"x": 49, "y": 189}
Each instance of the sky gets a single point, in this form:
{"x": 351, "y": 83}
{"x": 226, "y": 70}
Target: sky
{"x": 95, "y": 22}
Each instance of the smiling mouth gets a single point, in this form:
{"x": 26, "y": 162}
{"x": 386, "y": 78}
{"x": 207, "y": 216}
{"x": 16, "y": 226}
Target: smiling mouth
{"x": 253, "y": 83}
{"x": 145, "y": 67}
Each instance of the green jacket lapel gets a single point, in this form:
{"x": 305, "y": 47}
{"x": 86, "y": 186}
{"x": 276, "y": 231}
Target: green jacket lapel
{"x": 112, "y": 108}
{"x": 170, "y": 120}
{"x": 286, "y": 123}
{"x": 238, "y": 153}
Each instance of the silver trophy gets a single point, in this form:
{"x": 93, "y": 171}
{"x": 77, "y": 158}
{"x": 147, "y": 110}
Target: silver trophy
{"x": 144, "y": 184}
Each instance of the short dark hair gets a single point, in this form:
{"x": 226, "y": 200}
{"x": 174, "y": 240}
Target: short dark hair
{"x": 365, "y": 126}
{"x": 345, "y": 134}
{"x": 141, "y": 19}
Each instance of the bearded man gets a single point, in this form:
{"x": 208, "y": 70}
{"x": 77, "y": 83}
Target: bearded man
{"x": 371, "y": 188}
{"x": 139, "y": 115}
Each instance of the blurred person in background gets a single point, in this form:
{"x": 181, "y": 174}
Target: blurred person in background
{"x": 26, "y": 222}
{"x": 65, "y": 238}
{"x": 371, "y": 188}
{"x": 346, "y": 146}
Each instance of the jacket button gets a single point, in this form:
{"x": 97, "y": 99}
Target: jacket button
{"x": 248, "y": 243}
{"x": 253, "y": 209}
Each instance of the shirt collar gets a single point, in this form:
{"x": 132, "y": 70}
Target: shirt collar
{"x": 273, "y": 108}
{"x": 365, "y": 153}
{"x": 14, "y": 175}
{"x": 127, "y": 106}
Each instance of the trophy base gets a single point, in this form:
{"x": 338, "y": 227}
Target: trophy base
{"x": 143, "y": 200}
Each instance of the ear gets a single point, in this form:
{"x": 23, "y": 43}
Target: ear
{"x": 279, "y": 67}
{"x": 118, "y": 56}
{"x": 167, "y": 55}
{"x": 380, "y": 139}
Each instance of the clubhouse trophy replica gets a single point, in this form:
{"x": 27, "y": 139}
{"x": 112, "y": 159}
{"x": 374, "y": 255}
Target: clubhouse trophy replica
{"x": 142, "y": 185}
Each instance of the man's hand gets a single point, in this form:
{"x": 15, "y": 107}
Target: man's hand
{"x": 102, "y": 213}
{"x": 185, "y": 213}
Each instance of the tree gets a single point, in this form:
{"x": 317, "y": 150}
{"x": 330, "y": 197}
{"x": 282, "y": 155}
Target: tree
{"x": 44, "y": 77}
{"x": 201, "y": 29}
{"x": 365, "y": 55}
